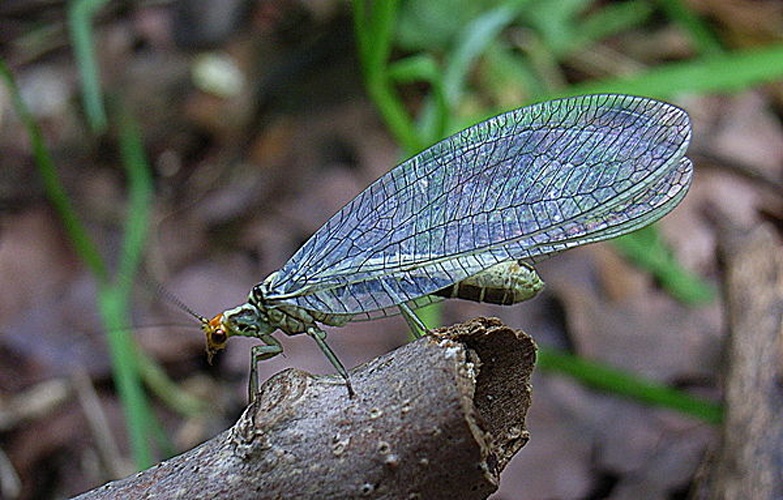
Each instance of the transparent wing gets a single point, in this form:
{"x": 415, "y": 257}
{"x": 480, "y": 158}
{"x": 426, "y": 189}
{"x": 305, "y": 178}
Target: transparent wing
{"x": 522, "y": 185}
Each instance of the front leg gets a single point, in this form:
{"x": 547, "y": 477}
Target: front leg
{"x": 258, "y": 353}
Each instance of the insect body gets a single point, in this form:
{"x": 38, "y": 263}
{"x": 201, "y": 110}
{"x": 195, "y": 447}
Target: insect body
{"x": 468, "y": 218}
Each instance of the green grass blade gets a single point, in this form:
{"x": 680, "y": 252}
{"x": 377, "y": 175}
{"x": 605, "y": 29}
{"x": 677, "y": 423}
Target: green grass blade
{"x": 140, "y": 202}
{"x": 730, "y": 72}
{"x": 646, "y": 249}
{"x": 55, "y": 192}
{"x": 702, "y": 37}
{"x": 80, "y": 15}
{"x": 114, "y": 300}
{"x": 601, "y": 377}
{"x": 419, "y": 68}
{"x": 474, "y": 40}
{"x": 415, "y": 68}
{"x": 164, "y": 388}
{"x": 374, "y": 29}
{"x": 363, "y": 42}
{"x": 610, "y": 20}
{"x": 140, "y": 186}
{"x": 113, "y": 309}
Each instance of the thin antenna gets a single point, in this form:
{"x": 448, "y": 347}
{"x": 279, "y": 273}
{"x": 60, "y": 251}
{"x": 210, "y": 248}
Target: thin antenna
{"x": 168, "y": 295}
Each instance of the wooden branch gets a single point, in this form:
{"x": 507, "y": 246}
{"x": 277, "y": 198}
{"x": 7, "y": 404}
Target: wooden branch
{"x": 437, "y": 418}
{"x": 748, "y": 462}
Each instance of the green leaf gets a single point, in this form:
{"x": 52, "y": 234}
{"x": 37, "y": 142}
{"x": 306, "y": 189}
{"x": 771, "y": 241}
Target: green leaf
{"x": 55, "y": 191}
{"x": 730, "y": 72}
{"x": 604, "y": 378}
{"x": 647, "y": 250}
{"x": 80, "y": 15}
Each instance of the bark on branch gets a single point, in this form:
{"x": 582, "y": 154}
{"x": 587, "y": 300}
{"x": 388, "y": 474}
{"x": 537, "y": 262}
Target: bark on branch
{"x": 748, "y": 463}
{"x": 437, "y": 418}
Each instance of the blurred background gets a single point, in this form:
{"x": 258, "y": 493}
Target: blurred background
{"x": 198, "y": 144}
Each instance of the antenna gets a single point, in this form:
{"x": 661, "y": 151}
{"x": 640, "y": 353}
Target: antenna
{"x": 168, "y": 295}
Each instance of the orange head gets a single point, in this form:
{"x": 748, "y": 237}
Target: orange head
{"x": 244, "y": 320}
{"x": 217, "y": 333}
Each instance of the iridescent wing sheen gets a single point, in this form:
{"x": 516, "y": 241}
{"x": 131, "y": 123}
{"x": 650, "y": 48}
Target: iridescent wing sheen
{"x": 522, "y": 185}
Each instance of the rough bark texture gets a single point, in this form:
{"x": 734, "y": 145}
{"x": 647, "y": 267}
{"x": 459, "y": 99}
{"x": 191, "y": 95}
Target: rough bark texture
{"x": 749, "y": 462}
{"x": 437, "y": 418}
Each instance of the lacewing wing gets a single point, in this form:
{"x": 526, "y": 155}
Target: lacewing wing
{"x": 460, "y": 218}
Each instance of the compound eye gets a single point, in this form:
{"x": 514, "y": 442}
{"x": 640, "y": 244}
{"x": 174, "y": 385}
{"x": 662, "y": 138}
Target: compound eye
{"x": 218, "y": 337}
